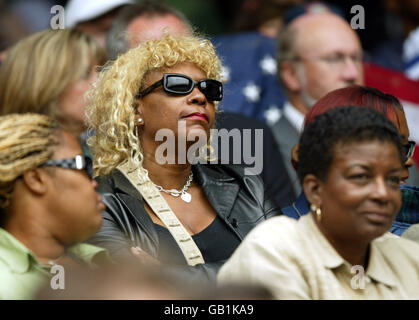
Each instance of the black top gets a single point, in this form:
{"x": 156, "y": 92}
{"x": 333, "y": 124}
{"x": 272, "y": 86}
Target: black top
{"x": 216, "y": 243}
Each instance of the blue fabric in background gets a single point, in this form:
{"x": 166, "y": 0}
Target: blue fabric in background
{"x": 409, "y": 213}
{"x": 250, "y": 69}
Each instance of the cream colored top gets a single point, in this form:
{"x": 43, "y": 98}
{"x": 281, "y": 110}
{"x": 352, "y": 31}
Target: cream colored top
{"x": 294, "y": 260}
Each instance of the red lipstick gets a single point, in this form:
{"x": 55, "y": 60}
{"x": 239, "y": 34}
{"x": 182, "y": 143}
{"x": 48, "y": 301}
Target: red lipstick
{"x": 197, "y": 115}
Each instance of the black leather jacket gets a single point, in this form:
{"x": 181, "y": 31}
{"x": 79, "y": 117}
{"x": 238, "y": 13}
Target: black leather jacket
{"x": 238, "y": 199}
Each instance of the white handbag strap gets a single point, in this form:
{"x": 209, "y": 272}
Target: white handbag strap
{"x": 160, "y": 207}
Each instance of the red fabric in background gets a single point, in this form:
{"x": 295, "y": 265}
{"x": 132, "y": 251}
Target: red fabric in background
{"x": 416, "y": 155}
{"x": 395, "y": 83}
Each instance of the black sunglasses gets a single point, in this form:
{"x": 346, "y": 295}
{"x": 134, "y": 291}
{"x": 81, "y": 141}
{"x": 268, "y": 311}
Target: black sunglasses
{"x": 180, "y": 84}
{"x": 79, "y": 162}
{"x": 409, "y": 150}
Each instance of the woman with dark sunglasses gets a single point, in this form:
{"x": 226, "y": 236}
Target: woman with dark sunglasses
{"x": 393, "y": 110}
{"x": 48, "y": 204}
{"x": 187, "y": 216}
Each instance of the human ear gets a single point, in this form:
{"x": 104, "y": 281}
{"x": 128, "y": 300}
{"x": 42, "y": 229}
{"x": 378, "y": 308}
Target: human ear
{"x": 138, "y": 117}
{"x": 36, "y": 181}
{"x": 289, "y": 75}
{"x": 313, "y": 188}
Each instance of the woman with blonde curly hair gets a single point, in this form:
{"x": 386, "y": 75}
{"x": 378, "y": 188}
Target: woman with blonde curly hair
{"x": 41, "y": 168}
{"x": 49, "y": 72}
{"x": 163, "y": 205}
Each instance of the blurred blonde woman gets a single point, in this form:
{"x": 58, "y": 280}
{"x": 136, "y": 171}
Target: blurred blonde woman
{"x": 49, "y": 73}
{"x": 41, "y": 168}
{"x": 187, "y": 216}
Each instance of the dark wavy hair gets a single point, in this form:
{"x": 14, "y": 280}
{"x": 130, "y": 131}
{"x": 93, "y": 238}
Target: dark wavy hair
{"x": 342, "y": 125}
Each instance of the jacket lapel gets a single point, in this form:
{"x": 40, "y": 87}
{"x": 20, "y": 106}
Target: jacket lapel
{"x": 221, "y": 190}
{"x": 135, "y": 204}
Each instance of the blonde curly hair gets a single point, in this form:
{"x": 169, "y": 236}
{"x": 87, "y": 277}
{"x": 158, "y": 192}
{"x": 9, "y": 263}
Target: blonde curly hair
{"x": 111, "y": 110}
{"x": 26, "y": 141}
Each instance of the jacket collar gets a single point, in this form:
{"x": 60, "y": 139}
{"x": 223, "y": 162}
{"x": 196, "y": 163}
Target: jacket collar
{"x": 377, "y": 269}
{"x": 221, "y": 189}
{"x": 123, "y": 184}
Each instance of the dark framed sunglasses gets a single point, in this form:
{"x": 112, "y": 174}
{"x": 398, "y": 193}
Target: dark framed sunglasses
{"x": 179, "y": 84}
{"x": 409, "y": 149}
{"x": 79, "y": 162}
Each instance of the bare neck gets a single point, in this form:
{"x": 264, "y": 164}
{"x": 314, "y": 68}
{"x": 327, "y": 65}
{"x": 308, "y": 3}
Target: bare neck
{"x": 30, "y": 228}
{"x": 353, "y": 251}
{"x": 168, "y": 176}
{"x": 298, "y": 103}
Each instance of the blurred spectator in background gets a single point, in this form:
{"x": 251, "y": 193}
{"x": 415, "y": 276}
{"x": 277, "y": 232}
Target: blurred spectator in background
{"x": 11, "y": 29}
{"x": 93, "y": 16}
{"x": 317, "y": 53}
{"x": 208, "y": 17}
{"x": 35, "y": 15}
{"x": 141, "y": 22}
{"x": 41, "y": 172}
{"x": 148, "y": 20}
{"x": 133, "y": 281}
{"x": 401, "y": 51}
{"x": 249, "y": 66}
{"x": 128, "y": 281}
{"x": 248, "y": 57}
{"x": 49, "y": 73}
{"x": 265, "y": 17}
{"x": 408, "y": 215}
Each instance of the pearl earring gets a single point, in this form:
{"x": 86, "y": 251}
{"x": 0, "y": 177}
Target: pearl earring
{"x": 140, "y": 121}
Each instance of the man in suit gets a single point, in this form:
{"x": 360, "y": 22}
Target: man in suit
{"x": 317, "y": 53}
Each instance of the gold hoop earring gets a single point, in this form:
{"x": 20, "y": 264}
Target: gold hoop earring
{"x": 318, "y": 212}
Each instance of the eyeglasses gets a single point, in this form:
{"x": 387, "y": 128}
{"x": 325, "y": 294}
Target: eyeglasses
{"x": 180, "y": 84}
{"x": 409, "y": 150}
{"x": 335, "y": 60}
{"x": 79, "y": 162}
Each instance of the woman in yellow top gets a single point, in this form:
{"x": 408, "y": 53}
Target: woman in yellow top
{"x": 350, "y": 166}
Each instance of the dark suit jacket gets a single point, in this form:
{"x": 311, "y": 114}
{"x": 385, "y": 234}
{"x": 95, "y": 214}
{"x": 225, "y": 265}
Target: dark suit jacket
{"x": 287, "y": 137}
{"x": 274, "y": 174}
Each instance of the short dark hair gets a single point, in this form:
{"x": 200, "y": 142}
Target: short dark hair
{"x": 116, "y": 37}
{"x": 341, "y": 125}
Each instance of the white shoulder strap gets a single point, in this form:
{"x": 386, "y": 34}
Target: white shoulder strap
{"x": 160, "y": 207}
